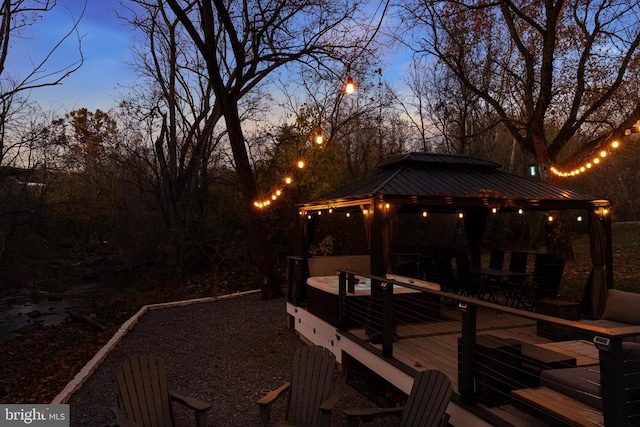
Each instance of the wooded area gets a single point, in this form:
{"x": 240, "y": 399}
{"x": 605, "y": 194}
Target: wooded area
{"x": 231, "y": 94}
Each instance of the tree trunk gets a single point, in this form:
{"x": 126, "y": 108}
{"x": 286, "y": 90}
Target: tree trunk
{"x": 270, "y": 284}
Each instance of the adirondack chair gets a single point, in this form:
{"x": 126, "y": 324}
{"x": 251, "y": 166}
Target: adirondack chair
{"x": 144, "y": 398}
{"x": 425, "y": 407}
{"x": 309, "y": 392}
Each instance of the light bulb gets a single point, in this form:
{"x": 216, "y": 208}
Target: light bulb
{"x": 349, "y": 87}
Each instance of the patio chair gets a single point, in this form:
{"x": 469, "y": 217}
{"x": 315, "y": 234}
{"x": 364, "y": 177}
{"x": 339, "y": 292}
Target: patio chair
{"x": 143, "y": 396}
{"x": 496, "y": 259}
{"x": 309, "y": 391}
{"x": 467, "y": 283}
{"x": 493, "y": 286}
{"x": 518, "y": 261}
{"x": 545, "y": 282}
{"x": 425, "y": 407}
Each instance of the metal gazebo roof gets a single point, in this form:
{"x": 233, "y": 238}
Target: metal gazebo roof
{"x": 449, "y": 182}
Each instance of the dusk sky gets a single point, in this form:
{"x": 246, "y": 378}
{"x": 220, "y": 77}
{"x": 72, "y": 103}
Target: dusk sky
{"x": 105, "y": 45}
{"x": 106, "y": 40}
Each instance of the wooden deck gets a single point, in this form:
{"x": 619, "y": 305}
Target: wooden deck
{"x": 434, "y": 345}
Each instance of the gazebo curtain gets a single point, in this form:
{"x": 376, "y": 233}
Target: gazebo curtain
{"x": 595, "y": 293}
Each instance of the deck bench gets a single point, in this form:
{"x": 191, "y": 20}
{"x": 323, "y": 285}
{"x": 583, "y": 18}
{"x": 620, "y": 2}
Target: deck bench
{"x": 621, "y": 310}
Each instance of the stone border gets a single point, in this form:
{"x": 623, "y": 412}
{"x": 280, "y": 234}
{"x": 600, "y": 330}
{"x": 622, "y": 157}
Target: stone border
{"x": 97, "y": 359}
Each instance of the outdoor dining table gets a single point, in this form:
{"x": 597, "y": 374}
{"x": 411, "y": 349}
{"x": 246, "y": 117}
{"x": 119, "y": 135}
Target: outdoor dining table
{"x": 503, "y": 279}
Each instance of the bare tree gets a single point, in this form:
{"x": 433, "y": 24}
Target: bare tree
{"x": 242, "y": 43}
{"x": 561, "y": 75}
{"x": 176, "y": 97}
{"x": 16, "y": 18}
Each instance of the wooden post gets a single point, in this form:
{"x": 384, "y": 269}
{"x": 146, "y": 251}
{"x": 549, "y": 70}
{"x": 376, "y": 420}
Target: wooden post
{"x": 295, "y": 279}
{"x": 466, "y": 358}
{"x": 378, "y": 268}
{"x": 612, "y": 382}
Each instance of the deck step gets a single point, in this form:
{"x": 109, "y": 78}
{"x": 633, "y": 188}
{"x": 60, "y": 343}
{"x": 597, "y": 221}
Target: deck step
{"x": 560, "y": 406}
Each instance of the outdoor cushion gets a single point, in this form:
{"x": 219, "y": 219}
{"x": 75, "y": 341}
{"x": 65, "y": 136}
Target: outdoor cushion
{"x": 622, "y": 307}
{"x": 582, "y": 383}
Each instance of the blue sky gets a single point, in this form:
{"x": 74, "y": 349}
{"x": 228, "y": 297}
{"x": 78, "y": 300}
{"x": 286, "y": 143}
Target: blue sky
{"x": 105, "y": 45}
{"x": 106, "y": 73}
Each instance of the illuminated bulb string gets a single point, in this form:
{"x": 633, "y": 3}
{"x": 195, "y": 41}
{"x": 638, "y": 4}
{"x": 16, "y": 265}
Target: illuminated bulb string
{"x": 586, "y": 166}
{"x": 318, "y": 139}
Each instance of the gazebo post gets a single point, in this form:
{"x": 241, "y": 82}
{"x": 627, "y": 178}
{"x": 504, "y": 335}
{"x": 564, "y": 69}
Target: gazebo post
{"x": 609, "y": 251}
{"x": 380, "y": 312}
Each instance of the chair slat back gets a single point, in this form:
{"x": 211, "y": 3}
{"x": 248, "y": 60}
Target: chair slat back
{"x": 518, "y": 261}
{"x": 311, "y": 384}
{"x": 496, "y": 259}
{"x": 143, "y": 391}
{"x": 549, "y": 279}
{"x": 428, "y": 400}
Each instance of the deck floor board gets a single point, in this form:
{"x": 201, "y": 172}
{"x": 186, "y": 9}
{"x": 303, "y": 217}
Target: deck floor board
{"x": 434, "y": 345}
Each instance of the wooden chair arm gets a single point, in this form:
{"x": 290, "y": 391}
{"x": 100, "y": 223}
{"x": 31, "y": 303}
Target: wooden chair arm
{"x": 268, "y": 398}
{"x": 326, "y": 407}
{"x": 198, "y": 406}
{"x": 331, "y": 402}
{"x": 354, "y": 416}
{"x": 121, "y": 418}
{"x": 266, "y": 401}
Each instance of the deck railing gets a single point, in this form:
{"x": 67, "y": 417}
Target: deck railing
{"x": 380, "y": 316}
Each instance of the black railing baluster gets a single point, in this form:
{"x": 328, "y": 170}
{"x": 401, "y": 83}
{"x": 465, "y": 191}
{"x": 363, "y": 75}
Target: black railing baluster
{"x": 342, "y": 301}
{"x": 387, "y": 320}
{"x": 466, "y": 360}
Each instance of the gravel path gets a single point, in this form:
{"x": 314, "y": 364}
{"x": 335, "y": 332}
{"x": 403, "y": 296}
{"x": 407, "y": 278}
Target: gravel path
{"x": 228, "y": 352}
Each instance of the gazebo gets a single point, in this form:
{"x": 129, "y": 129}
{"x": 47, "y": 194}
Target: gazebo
{"x": 472, "y": 187}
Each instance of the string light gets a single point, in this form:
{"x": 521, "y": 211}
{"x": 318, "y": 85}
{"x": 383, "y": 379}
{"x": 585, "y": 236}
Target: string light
{"x": 318, "y": 139}
{"x": 596, "y": 160}
{"x": 350, "y": 86}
